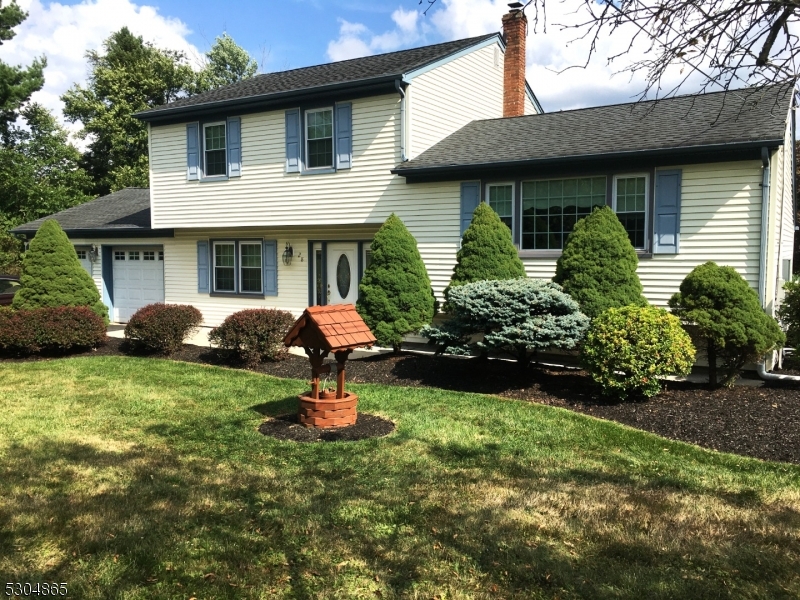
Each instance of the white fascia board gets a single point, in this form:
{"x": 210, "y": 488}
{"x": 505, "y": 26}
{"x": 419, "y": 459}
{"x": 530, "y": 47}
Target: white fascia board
{"x": 497, "y": 39}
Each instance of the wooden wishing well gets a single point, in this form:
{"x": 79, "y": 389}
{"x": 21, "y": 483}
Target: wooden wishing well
{"x": 321, "y": 330}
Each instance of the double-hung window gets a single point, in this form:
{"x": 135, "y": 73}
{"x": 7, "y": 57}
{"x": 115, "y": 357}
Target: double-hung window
{"x": 501, "y": 198}
{"x": 238, "y": 267}
{"x": 215, "y": 159}
{"x": 630, "y": 204}
{"x": 319, "y": 138}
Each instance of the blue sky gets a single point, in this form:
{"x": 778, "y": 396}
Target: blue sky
{"x": 283, "y": 34}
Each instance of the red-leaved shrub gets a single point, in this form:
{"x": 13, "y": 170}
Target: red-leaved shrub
{"x": 254, "y": 335}
{"x": 58, "y": 328}
{"x": 162, "y": 327}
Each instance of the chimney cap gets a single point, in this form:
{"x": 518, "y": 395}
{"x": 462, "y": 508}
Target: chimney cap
{"x": 515, "y": 6}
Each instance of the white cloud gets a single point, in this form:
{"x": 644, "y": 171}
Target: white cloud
{"x": 356, "y": 40}
{"x": 65, "y": 33}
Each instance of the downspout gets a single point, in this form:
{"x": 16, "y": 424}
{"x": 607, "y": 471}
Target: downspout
{"x": 399, "y": 87}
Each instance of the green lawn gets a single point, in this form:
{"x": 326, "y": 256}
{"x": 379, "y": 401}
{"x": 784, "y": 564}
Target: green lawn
{"x": 137, "y": 478}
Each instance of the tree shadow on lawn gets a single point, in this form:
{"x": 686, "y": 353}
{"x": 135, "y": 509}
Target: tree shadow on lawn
{"x": 312, "y": 520}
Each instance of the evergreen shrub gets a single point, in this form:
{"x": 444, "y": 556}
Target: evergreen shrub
{"x": 598, "y": 265}
{"x": 162, "y": 328}
{"x": 487, "y": 252}
{"x": 254, "y": 335}
{"x": 52, "y": 275}
{"x": 50, "y": 329}
{"x": 729, "y": 318}
{"x": 789, "y": 312}
{"x": 519, "y": 316}
{"x": 630, "y": 349}
{"x": 395, "y": 296}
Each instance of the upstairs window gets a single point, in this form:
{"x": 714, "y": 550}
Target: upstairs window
{"x": 214, "y": 150}
{"x": 630, "y": 204}
{"x": 319, "y": 138}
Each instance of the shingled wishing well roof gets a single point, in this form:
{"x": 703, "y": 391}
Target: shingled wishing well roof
{"x": 334, "y": 328}
{"x": 754, "y": 116}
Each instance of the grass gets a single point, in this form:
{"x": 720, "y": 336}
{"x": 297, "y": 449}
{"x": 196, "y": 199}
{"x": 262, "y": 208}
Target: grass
{"x": 136, "y": 478}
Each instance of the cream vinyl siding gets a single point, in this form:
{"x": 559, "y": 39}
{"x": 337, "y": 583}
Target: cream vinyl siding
{"x": 720, "y": 221}
{"x": 265, "y": 195}
{"x": 530, "y": 109}
{"x": 782, "y": 218}
{"x": 437, "y": 243}
{"x": 448, "y": 97}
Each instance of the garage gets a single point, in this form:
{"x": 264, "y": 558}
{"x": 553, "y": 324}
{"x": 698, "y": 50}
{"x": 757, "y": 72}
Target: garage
{"x": 138, "y": 276}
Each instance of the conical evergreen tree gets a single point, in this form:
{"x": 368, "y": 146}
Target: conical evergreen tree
{"x": 487, "y": 251}
{"x": 395, "y": 295}
{"x": 598, "y": 265}
{"x": 52, "y": 275}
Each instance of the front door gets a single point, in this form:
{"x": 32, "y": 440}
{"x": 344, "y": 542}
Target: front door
{"x": 342, "y": 273}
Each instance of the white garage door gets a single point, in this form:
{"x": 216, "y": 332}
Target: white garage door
{"x": 138, "y": 279}
{"x": 83, "y": 257}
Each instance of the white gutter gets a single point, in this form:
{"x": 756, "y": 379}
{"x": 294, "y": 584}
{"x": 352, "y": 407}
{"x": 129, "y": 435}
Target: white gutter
{"x": 399, "y": 86}
{"x": 762, "y": 259}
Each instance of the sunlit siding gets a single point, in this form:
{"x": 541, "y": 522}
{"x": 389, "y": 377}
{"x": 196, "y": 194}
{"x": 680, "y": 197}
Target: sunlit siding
{"x": 530, "y": 109}
{"x": 448, "y": 97}
{"x": 720, "y": 221}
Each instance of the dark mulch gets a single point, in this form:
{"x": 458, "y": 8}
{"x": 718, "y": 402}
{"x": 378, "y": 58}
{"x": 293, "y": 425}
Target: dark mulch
{"x": 763, "y": 422}
{"x": 286, "y": 427}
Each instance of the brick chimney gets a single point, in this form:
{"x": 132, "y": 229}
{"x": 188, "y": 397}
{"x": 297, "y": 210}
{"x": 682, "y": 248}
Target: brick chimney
{"x": 515, "y": 29}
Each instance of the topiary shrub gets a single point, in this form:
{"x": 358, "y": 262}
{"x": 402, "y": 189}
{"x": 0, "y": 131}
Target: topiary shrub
{"x": 162, "y": 328}
{"x": 487, "y": 252}
{"x": 789, "y": 311}
{"x": 598, "y": 265}
{"x": 630, "y": 349}
{"x": 254, "y": 335}
{"x": 519, "y": 316}
{"x": 728, "y": 316}
{"x": 52, "y": 275}
{"x": 395, "y": 296}
{"x": 51, "y": 329}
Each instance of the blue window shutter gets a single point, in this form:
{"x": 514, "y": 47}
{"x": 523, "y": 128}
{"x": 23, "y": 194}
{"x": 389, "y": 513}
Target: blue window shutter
{"x": 107, "y": 274}
{"x": 470, "y": 198}
{"x": 203, "y": 271}
{"x": 344, "y": 135}
{"x": 234, "y": 130}
{"x": 667, "y": 217}
{"x": 293, "y": 140}
{"x": 192, "y": 151}
{"x": 270, "y": 248}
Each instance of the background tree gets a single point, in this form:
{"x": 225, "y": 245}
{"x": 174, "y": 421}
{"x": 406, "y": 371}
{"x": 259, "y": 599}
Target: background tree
{"x": 129, "y": 76}
{"x": 728, "y": 315}
{"x": 394, "y": 297}
{"x": 598, "y": 265}
{"x": 487, "y": 251}
{"x": 17, "y": 83}
{"x": 227, "y": 63}
{"x": 53, "y": 276}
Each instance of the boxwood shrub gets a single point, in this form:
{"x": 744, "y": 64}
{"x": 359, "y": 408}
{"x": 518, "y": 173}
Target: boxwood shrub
{"x": 254, "y": 335}
{"x": 50, "y": 329}
{"x": 630, "y": 349}
{"x": 162, "y": 328}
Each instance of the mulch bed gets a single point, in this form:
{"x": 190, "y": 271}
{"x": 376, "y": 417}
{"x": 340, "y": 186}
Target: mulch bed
{"x": 286, "y": 427}
{"x": 763, "y": 422}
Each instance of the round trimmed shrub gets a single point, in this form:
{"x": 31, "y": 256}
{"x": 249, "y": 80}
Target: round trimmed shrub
{"x": 729, "y": 318}
{"x": 162, "y": 328}
{"x": 395, "y": 296}
{"x": 50, "y": 329}
{"x": 519, "y": 316}
{"x": 487, "y": 252}
{"x": 52, "y": 275}
{"x": 630, "y": 349}
{"x": 598, "y": 265}
{"x": 789, "y": 312}
{"x": 254, "y": 335}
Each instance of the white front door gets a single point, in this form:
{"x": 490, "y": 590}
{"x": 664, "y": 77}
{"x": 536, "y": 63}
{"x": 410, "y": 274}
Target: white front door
{"x": 342, "y": 273}
{"x": 138, "y": 279}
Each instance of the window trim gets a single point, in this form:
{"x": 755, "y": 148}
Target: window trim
{"x": 325, "y": 168}
{"x": 647, "y": 234}
{"x": 204, "y": 166}
{"x": 513, "y": 186}
{"x": 214, "y": 245}
{"x": 238, "y": 257}
{"x": 236, "y": 292}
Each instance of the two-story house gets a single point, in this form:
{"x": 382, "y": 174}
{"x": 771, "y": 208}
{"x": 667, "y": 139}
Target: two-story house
{"x": 268, "y": 192}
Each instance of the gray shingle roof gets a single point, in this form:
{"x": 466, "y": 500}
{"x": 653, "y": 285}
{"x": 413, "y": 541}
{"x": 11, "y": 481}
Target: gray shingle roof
{"x": 127, "y": 210}
{"x": 752, "y": 115}
{"x": 356, "y": 70}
